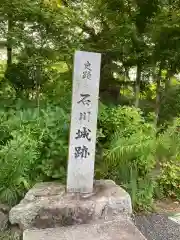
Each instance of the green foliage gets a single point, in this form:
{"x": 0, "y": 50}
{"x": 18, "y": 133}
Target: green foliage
{"x": 59, "y": 89}
{"x": 141, "y": 191}
{"x": 41, "y": 37}
{"x": 54, "y": 149}
{"x": 130, "y": 154}
{"x": 24, "y": 76}
{"x": 112, "y": 120}
{"x": 169, "y": 179}
{"x": 168, "y": 155}
{"x": 171, "y": 104}
{"x": 169, "y": 142}
{"x": 8, "y": 235}
{"x": 34, "y": 148}
{"x": 17, "y": 157}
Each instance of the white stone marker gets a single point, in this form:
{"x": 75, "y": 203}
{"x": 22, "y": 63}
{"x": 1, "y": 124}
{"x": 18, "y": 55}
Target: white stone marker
{"x": 83, "y": 122}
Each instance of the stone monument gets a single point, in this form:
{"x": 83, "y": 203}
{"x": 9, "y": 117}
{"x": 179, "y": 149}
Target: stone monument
{"x": 81, "y": 209}
{"x": 83, "y": 122}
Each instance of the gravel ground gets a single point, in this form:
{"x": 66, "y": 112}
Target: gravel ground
{"x": 158, "y": 227}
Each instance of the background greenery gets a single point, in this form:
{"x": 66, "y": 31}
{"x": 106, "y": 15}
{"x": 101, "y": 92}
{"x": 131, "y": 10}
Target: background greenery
{"x": 138, "y": 141}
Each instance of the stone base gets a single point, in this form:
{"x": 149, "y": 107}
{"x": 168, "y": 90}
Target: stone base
{"x": 114, "y": 230}
{"x": 47, "y": 205}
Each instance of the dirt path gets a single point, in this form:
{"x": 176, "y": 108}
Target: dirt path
{"x": 167, "y": 206}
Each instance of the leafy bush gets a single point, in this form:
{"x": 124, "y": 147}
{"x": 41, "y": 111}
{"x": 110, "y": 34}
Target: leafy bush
{"x": 170, "y": 107}
{"x": 58, "y": 91}
{"x": 25, "y": 76}
{"x": 34, "y": 148}
{"x": 169, "y": 179}
{"x": 18, "y": 159}
{"x": 130, "y": 154}
{"x": 117, "y": 118}
{"x": 168, "y": 153}
{"x": 54, "y": 149}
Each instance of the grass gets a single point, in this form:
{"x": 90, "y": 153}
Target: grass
{"x": 8, "y": 236}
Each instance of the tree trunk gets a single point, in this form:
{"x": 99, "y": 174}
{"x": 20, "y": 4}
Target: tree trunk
{"x": 158, "y": 97}
{"x": 9, "y": 44}
{"x": 137, "y": 86}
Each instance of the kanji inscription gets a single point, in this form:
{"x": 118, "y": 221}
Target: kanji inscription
{"x": 83, "y": 122}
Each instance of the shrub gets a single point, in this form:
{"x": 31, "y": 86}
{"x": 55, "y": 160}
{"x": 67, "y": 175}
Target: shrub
{"x": 170, "y": 107}
{"x": 17, "y": 159}
{"x": 168, "y": 153}
{"x": 33, "y": 148}
{"x": 54, "y": 148}
{"x": 26, "y": 76}
{"x": 117, "y": 118}
{"x": 169, "y": 179}
{"x": 129, "y": 156}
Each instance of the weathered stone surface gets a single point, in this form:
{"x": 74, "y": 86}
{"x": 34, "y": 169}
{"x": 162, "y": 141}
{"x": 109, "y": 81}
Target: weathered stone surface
{"x": 84, "y": 101}
{"x": 3, "y": 221}
{"x": 121, "y": 229}
{"x": 48, "y": 205}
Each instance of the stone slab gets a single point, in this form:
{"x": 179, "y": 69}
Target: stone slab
{"x": 83, "y": 122}
{"x": 48, "y": 205}
{"x": 114, "y": 230}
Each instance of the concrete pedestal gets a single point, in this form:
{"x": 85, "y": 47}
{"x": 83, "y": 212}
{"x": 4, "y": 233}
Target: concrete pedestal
{"x": 121, "y": 229}
{"x": 48, "y": 212}
{"x": 47, "y": 205}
